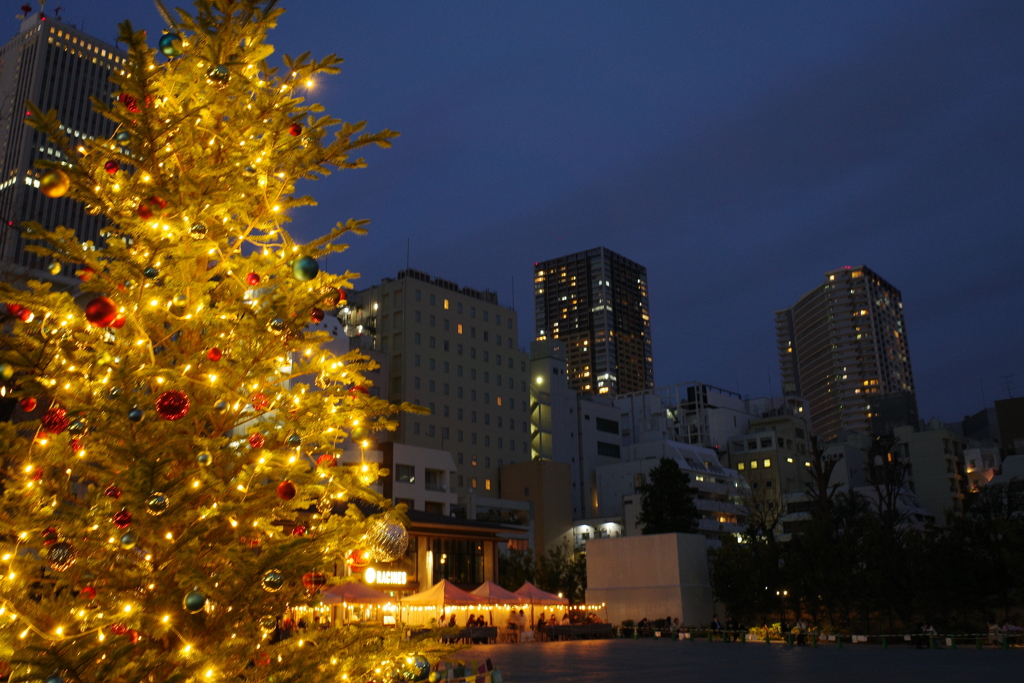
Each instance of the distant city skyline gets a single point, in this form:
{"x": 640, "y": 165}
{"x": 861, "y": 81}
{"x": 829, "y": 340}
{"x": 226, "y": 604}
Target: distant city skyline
{"x": 736, "y": 150}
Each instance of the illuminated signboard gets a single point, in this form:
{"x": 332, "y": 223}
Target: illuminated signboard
{"x": 374, "y": 576}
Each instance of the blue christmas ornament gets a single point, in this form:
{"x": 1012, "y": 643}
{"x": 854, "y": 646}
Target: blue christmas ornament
{"x": 151, "y": 272}
{"x": 123, "y": 136}
{"x": 305, "y": 268}
{"x": 204, "y": 458}
{"x": 170, "y": 44}
{"x": 195, "y": 602}
{"x": 135, "y": 415}
{"x": 294, "y": 440}
{"x": 417, "y": 668}
{"x": 55, "y": 678}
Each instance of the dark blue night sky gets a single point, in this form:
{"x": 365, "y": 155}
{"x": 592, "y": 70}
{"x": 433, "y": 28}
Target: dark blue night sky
{"x": 737, "y": 150}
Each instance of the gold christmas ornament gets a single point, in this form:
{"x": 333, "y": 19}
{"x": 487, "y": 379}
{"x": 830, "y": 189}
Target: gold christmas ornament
{"x": 55, "y": 183}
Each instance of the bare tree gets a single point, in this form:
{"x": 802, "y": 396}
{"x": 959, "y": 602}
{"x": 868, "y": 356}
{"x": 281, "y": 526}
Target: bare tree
{"x": 888, "y": 473}
{"x": 820, "y": 489}
{"x": 764, "y": 509}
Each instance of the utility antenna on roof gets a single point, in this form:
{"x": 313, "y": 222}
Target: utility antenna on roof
{"x": 1009, "y": 385}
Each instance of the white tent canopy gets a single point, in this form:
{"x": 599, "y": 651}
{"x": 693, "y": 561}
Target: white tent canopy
{"x": 530, "y": 594}
{"x": 353, "y": 593}
{"x": 440, "y": 594}
{"x": 494, "y": 594}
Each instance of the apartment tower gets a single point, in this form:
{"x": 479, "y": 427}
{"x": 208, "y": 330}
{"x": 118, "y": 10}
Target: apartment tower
{"x": 596, "y": 303}
{"x": 453, "y": 350}
{"x": 55, "y": 66}
{"x": 843, "y": 348}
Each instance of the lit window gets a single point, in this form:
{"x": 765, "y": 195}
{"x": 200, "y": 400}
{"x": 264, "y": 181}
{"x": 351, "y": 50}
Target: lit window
{"x": 460, "y": 328}
{"x": 446, "y": 304}
{"x": 753, "y": 464}
{"x": 767, "y": 462}
{"x": 807, "y": 464}
{"x": 472, "y": 482}
{"x": 487, "y": 484}
{"x": 740, "y": 466}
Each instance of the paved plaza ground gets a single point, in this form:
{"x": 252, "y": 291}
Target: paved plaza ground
{"x": 628, "y": 661}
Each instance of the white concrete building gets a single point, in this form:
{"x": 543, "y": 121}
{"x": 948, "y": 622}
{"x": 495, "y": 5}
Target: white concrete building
{"x": 720, "y": 491}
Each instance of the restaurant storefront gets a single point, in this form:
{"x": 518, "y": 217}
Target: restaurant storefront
{"x": 462, "y": 551}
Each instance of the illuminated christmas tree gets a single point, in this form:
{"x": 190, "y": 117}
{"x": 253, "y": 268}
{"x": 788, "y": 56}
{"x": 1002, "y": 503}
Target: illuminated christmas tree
{"x": 170, "y": 479}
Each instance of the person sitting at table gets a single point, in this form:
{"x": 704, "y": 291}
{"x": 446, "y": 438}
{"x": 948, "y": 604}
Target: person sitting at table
{"x": 542, "y": 625}
{"x": 451, "y": 621}
{"x": 565, "y": 619}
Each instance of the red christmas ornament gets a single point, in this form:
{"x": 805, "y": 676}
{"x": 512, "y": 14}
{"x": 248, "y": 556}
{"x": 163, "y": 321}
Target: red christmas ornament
{"x": 256, "y": 440}
{"x": 172, "y": 405}
{"x": 313, "y": 581}
{"x": 88, "y": 593}
{"x": 26, "y": 315}
{"x": 252, "y": 279}
{"x": 317, "y": 315}
{"x": 28, "y": 404}
{"x": 299, "y": 530}
{"x": 111, "y": 166}
{"x": 118, "y": 629}
{"x": 130, "y": 102}
{"x": 122, "y": 519}
{"x": 133, "y": 636}
{"x": 214, "y": 354}
{"x": 263, "y": 659}
{"x": 286, "y": 490}
{"x": 295, "y": 129}
{"x": 14, "y": 309}
{"x": 119, "y": 321}
{"x": 112, "y": 492}
{"x": 75, "y": 444}
{"x": 37, "y": 474}
{"x": 149, "y": 205}
{"x": 326, "y": 460}
{"x": 253, "y": 542}
{"x": 342, "y": 295}
{"x": 55, "y": 420}
{"x": 85, "y": 274}
{"x": 260, "y": 401}
{"x": 100, "y": 312}
{"x": 358, "y": 560}
{"x": 50, "y": 535}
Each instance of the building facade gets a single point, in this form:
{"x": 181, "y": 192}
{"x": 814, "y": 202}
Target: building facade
{"x": 452, "y": 350}
{"x": 596, "y": 303}
{"x": 721, "y": 492}
{"x": 57, "y": 67}
{"x": 579, "y": 430}
{"x": 937, "y": 468}
{"x": 843, "y": 348}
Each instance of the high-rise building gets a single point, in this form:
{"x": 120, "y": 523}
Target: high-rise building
{"x": 596, "y": 302}
{"x": 57, "y": 67}
{"x": 843, "y": 348}
{"x": 453, "y": 350}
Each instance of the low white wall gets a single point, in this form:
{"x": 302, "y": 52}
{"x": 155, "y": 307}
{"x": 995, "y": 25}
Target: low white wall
{"x": 657, "y": 576}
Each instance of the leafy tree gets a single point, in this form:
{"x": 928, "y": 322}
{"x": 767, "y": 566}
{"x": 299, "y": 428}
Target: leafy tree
{"x": 667, "y": 501}
{"x": 516, "y": 567}
{"x": 563, "y": 570}
{"x": 170, "y": 486}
